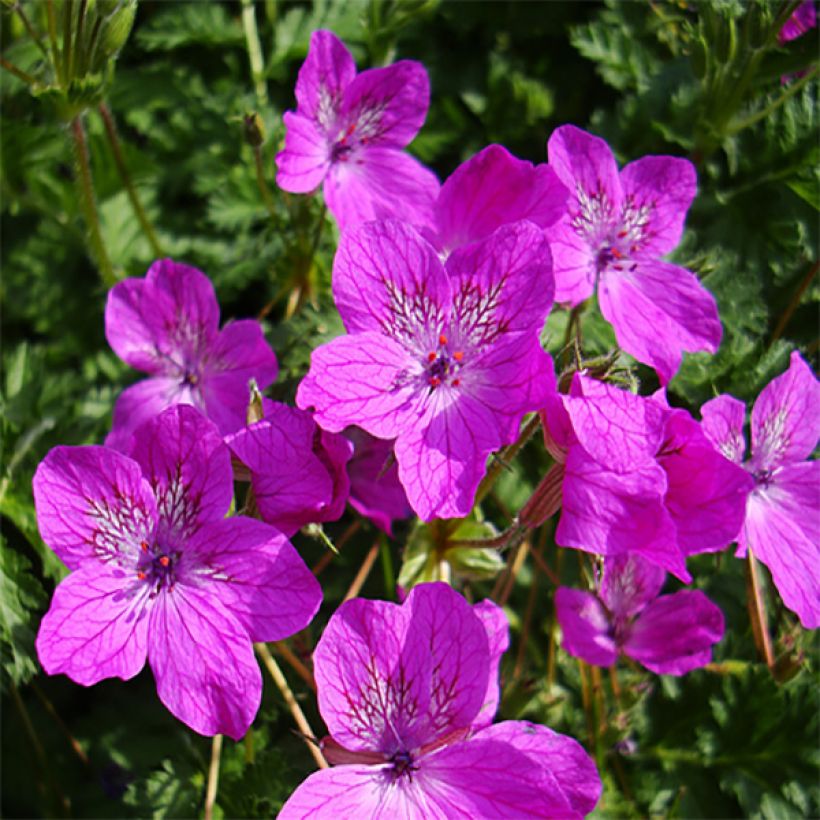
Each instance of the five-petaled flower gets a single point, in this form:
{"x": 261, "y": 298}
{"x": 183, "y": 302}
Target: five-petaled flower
{"x": 616, "y": 228}
{"x": 167, "y": 325}
{"x": 670, "y": 634}
{"x": 348, "y": 134}
{"x": 782, "y": 525}
{"x": 408, "y": 693}
{"x": 446, "y": 360}
{"x": 159, "y": 572}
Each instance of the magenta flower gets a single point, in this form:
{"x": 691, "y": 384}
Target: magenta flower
{"x": 159, "y": 572}
{"x": 348, "y": 133}
{"x": 167, "y": 325}
{"x": 669, "y": 635}
{"x": 444, "y": 360}
{"x": 491, "y": 189}
{"x": 782, "y": 523}
{"x": 804, "y": 19}
{"x": 375, "y": 489}
{"x": 408, "y": 693}
{"x": 640, "y": 477}
{"x": 616, "y": 229}
{"x": 297, "y": 470}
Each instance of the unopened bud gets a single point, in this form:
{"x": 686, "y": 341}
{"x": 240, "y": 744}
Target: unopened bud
{"x": 256, "y": 410}
{"x": 254, "y": 129}
{"x": 545, "y": 501}
{"x": 115, "y": 29}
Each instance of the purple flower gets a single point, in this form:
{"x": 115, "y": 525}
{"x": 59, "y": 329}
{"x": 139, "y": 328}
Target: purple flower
{"x": 803, "y": 20}
{"x": 640, "y": 477}
{"x": 491, "y": 189}
{"x": 669, "y": 635}
{"x": 375, "y": 489}
{"x": 159, "y": 572}
{"x": 446, "y": 361}
{"x": 782, "y": 524}
{"x": 348, "y": 133}
{"x": 616, "y": 229}
{"x": 167, "y": 325}
{"x": 297, "y": 469}
{"x": 408, "y": 693}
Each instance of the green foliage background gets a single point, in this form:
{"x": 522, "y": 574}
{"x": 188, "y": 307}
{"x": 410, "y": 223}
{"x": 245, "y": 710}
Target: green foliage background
{"x": 694, "y": 79}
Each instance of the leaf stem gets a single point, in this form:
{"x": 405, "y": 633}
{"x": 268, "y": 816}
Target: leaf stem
{"x": 32, "y": 32}
{"x": 18, "y": 72}
{"x": 213, "y": 777}
{"x": 301, "y": 670}
{"x": 364, "y": 571}
{"x": 757, "y": 609}
{"x": 793, "y": 304}
{"x": 290, "y": 700}
{"x": 254, "y": 51}
{"x": 133, "y": 196}
{"x": 506, "y": 455}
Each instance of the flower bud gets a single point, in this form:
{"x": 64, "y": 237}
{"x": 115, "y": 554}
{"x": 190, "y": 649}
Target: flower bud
{"x": 254, "y": 129}
{"x": 545, "y": 501}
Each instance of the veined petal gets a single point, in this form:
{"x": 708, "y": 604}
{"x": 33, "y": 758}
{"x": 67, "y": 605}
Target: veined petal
{"x": 675, "y": 633}
{"x": 257, "y": 574}
{"x": 395, "y": 678}
{"x": 610, "y": 513}
{"x": 782, "y": 530}
{"x": 786, "y": 417}
{"x": 494, "y": 188}
{"x": 387, "y": 105}
{"x": 563, "y": 757}
{"x": 498, "y": 634}
{"x": 585, "y": 164}
{"x": 387, "y": 278}
{"x": 380, "y": 182}
{"x": 585, "y": 627}
{"x": 158, "y": 323}
{"x": 304, "y": 162}
{"x": 502, "y": 286}
{"x": 96, "y": 627}
{"x": 365, "y": 379}
{"x": 629, "y": 584}
{"x": 658, "y": 310}
{"x": 573, "y": 262}
{"x": 722, "y": 424}
{"x": 189, "y": 468}
{"x": 291, "y": 485}
{"x": 323, "y": 78}
{"x": 93, "y": 505}
{"x": 203, "y": 662}
{"x": 616, "y": 427}
{"x": 658, "y": 191}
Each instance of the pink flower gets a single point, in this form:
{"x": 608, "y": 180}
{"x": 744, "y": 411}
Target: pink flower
{"x": 782, "y": 524}
{"x": 445, "y": 360}
{"x": 348, "y": 133}
{"x": 804, "y": 19}
{"x": 158, "y": 572}
{"x": 616, "y": 229}
{"x": 297, "y": 470}
{"x": 167, "y": 325}
{"x": 408, "y": 693}
{"x": 669, "y": 635}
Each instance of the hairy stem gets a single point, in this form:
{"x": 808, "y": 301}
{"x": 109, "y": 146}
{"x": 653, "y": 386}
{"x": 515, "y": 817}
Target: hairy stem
{"x": 293, "y": 661}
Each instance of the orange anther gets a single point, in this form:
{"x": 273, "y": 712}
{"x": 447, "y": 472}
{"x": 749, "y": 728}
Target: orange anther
{"x": 456, "y": 382}
{"x": 458, "y": 355}
{"x": 144, "y": 546}
{"x": 431, "y": 357}
{"x": 617, "y": 254}
{"x": 622, "y": 234}
{"x": 435, "y": 381}
{"x": 442, "y": 340}
{"x": 164, "y": 560}
{"x": 141, "y": 575}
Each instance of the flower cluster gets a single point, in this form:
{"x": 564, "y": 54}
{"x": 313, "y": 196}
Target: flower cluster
{"x": 444, "y": 291}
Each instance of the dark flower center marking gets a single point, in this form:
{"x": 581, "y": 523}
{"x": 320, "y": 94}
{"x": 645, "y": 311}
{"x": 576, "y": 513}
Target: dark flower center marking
{"x": 156, "y": 566}
{"x": 442, "y": 366}
{"x": 763, "y": 477}
{"x": 190, "y": 379}
{"x": 403, "y": 764}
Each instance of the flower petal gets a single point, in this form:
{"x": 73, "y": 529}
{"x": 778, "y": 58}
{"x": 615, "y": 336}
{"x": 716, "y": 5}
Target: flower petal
{"x": 93, "y": 505}
{"x": 722, "y": 424}
{"x": 189, "y": 468}
{"x": 658, "y": 310}
{"x": 494, "y": 188}
{"x": 502, "y": 286}
{"x": 388, "y": 105}
{"x": 783, "y": 530}
{"x": 258, "y": 575}
{"x": 629, "y": 584}
{"x": 563, "y": 757}
{"x": 303, "y": 164}
{"x": 786, "y": 417}
{"x": 658, "y": 191}
{"x": 365, "y": 379}
{"x": 203, "y": 662}
{"x": 395, "y": 678}
{"x": 585, "y": 627}
{"x": 573, "y": 262}
{"x": 675, "y": 633}
{"x": 380, "y": 182}
{"x": 498, "y": 634}
{"x": 96, "y": 627}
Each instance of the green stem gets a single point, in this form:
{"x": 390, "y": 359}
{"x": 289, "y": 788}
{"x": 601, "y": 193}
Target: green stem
{"x": 793, "y": 304}
{"x": 85, "y": 188}
{"x": 267, "y": 197}
{"x": 757, "y": 610}
{"x": 56, "y": 58}
{"x": 119, "y": 160}
{"x": 77, "y": 55}
{"x": 68, "y": 57}
{"x": 31, "y": 30}
{"x": 213, "y": 776}
{"x": 508, "y": 453}
{"x": 387, "y": 569}
{"x": 254, "y": 51}
{"x": 18, "y": 72}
